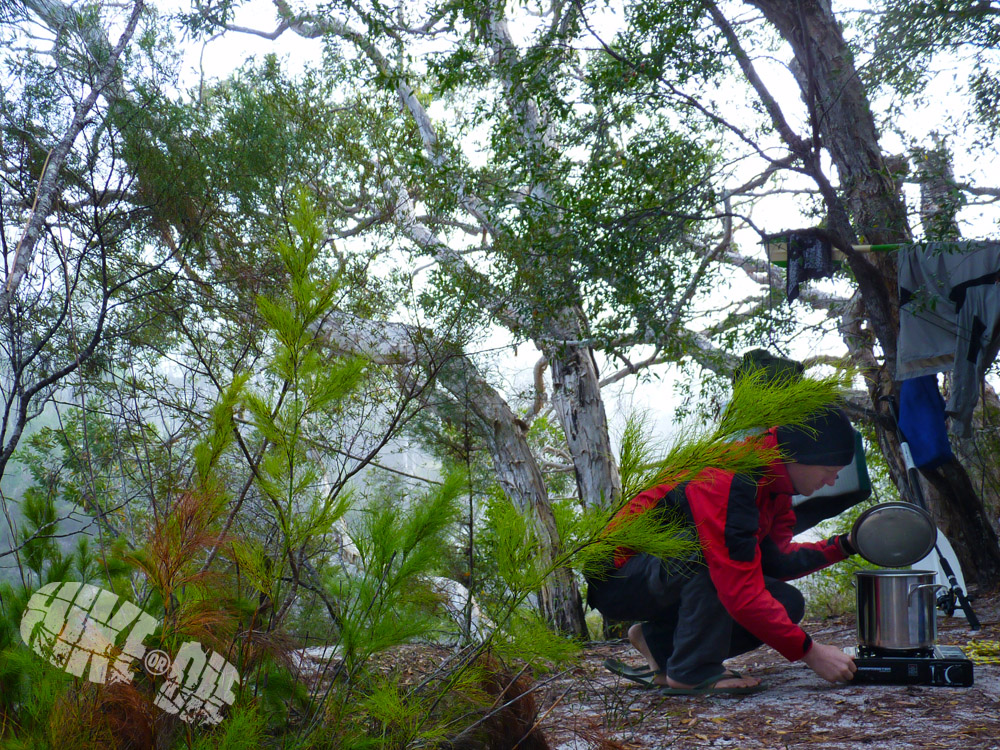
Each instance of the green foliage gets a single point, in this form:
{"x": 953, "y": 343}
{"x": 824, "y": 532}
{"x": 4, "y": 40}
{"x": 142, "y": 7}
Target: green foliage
{"x": 507, "y": 547}
{"x": 97, "y": 461}
{"x": 670, "y": 39}
{"x": 511, "y": 569}
{"x": 40, "y": 557}
{"x": 525, "y": 636}
{"x": 660, "y": 533}
{"x": 985, "y": 87}
{"x": 29, "y": 688}
{"x": 509, "y": 573}
{"x": 907, "y": 35}
{"x": 306, "y": 386}
{"x": 218, "y": 436}
{"x": 386, "y": 603}
{"x": 600, "y": 220}
{"x": 38, "y": 533}
{"x": 910, "y": 39}
{"x": 32, "y": 692}
{"x": 757, "y": 404}
{"x": 397, "y": 717}
{"x": 636, "y": 455}
{"x": 243, "y": 729}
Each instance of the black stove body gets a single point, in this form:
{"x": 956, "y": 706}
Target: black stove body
{"x": 940, "y": 666}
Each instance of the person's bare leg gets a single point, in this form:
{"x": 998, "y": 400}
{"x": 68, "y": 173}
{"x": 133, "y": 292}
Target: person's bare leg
{"x": 638, "y": 641}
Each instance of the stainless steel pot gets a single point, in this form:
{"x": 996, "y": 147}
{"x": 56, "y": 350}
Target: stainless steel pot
{"x": 896, "y": 609}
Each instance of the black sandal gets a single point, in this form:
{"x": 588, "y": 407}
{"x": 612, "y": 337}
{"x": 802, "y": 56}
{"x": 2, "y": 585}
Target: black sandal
{"x": 638, "y": 675}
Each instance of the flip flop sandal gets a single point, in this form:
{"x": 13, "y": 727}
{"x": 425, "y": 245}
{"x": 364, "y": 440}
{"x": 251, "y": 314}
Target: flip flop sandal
{"x": 708, "y": 687}
{"x": 638, "y": 675}
{"x": 623, "y": 669}
{"x": 81, "y": 628}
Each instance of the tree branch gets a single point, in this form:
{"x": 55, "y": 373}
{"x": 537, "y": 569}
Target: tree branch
{"x": 48, "y": 183}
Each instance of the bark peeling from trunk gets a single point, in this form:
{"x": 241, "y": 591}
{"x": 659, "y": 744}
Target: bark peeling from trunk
{"x": 576, "y": 397}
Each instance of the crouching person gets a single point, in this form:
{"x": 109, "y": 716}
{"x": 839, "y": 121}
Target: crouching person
{"x": 694, "y": 614}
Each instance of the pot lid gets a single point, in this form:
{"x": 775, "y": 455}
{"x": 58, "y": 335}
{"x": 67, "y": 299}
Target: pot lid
{"x": 894, "y": 535}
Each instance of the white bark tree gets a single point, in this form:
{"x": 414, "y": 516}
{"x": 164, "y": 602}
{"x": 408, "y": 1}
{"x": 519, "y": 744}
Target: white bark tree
{"x": 64, "y": 274}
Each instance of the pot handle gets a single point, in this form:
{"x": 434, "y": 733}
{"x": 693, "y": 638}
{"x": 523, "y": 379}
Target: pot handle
{"x": 918, "y": 586}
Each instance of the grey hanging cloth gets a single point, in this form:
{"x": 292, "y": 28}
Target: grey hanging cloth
{"x": 949, "y": 318}
{"x": 809, "y": 257}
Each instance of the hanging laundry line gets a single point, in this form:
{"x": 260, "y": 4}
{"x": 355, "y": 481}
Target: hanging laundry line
{"x": 777, "y": 251}
{"x": 807, "y": 254}
{"x": 949, "y": 307}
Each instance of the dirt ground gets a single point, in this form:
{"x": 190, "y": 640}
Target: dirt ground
{"x": 591, "y": 709}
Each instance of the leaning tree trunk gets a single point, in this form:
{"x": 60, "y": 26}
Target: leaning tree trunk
{"x": 407, "y": 348}
{"x": 49, "y": 184}
{"x": 522, "y": 480}
{"x": 842, "y": 120}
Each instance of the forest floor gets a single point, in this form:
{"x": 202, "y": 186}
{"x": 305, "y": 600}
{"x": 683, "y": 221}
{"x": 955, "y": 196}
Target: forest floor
{"x": 589, "y": 708}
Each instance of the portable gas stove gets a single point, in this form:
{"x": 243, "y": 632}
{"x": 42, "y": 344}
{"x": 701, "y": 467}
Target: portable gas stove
{"x": 939, "y": 666}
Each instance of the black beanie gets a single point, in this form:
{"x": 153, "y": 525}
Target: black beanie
{"x": 825, "y": 439}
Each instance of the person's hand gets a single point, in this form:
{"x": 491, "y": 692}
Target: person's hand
{"x": 847, "y": 543}
{"x": 830, "y": 663}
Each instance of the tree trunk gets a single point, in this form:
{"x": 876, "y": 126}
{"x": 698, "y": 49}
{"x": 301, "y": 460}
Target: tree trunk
{"x": 940, "y": 197}
{"x": 842, "y": 122}
{"x": 522, "y": 480}
{"x": 576, "y": 391}
{"x": 576, "y": 396}
{"x": 515, "y": 466}
{"x": 48, "y": 183}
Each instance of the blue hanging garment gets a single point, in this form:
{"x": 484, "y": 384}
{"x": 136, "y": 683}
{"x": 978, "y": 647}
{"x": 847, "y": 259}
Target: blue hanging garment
{"x": 921, "y": 418}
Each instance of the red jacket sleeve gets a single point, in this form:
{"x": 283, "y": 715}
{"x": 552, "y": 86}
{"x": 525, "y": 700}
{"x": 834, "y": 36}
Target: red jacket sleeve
{"x": 724, "y": 508}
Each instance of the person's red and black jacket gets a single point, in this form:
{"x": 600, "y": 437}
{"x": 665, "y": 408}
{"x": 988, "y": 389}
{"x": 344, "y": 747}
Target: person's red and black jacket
{"x": 745, "y": 527}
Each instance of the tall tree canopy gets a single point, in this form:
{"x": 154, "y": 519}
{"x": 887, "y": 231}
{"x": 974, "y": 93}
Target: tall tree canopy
{"x": 581, "y": 176}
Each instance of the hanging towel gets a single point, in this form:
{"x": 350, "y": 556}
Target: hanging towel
{"x": 809, "y": 257}
{"x": 950, "y": 318}
{"x": 921, "y": 418}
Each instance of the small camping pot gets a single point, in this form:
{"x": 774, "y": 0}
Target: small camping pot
{"x": 896, "y": 609}
{"x": 894, "y": 535}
